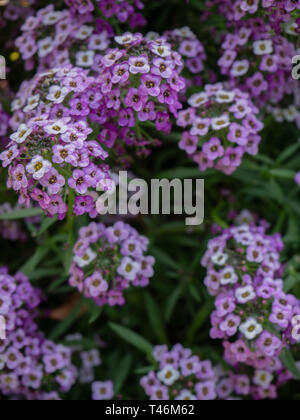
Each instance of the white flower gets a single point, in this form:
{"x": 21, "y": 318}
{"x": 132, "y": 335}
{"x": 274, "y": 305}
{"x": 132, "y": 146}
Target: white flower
{"x": 185, "y": 395}
{"x": 239, "y": 68}
{"x": 21, "y": 135}
{"x": 228, "y": 276}
{"x": 198, "y": 99}
{"x": 98, "y": 42}
{"x": 57, "y": 127}
{"x": 152, "y": 36}
{"x": 220, "y": 122}
{"x": 83, "y": 32}
{"x": 278, "y": 114}
{"x": 17, "y": 104}
{"x": 57, "y": 94}
{"x": 225, "y": 97}
{"x": 245, "y": 294}
{"x": 32, "y": 103}
{"x": 161, "y": 50}
{"x": 168, "y": 375}
{"x": 291, "y": 28}
{"x": 291, "y": 113}
{"x": 85, "y": 58}
{"x": 51, "y": 18}
{"x": 129, "y": 269}
{"x": 127, "y": 38}
{"x": 38, "y": 167}
{"x": 263, "y": 378}
{"x": 251, "y": 329}
{"x": 263, "y": 47}
{"x": 219, "y": 258}
{"x": 88, "y": 257}
{"x": 45, "y": 45}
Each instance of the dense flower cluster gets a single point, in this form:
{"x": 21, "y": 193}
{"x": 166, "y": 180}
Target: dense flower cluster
{"x": 191, "y": 49}
{"x": 15, "y": 11}
{"x": 253, "y": 315}
{"x": 180, "y": 376}
{"x": 140, "y": 83}
{"x": 277, "y": 12}
{"x": 88, "y": 361}
{"x": 57, "y": 38}
{"x": 52, "y": 156}
{"x": 223, "y": 127}
{"x": 124, "y": 11}
{"x": 108, "y": 260}
{"x": 258, "y": 62}
{"x": 30, "y": 365}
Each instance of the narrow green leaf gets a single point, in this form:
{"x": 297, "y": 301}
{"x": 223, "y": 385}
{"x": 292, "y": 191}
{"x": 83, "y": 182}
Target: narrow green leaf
{"x": 46, "y": 224}
{"x": 155, "y": 318}
{"x": 21, "y": 214}
{"x": 288, "y": 152}
{"x": 283, "y": 173}
{"x": 164, "y": 258}
{"x": 122, "y": 371}
{"x": 63, "y": 326}
{"x": 132, "y": 338}
{"x": 172, "y": 301}
{"x": 200, "y": 319}
{"x": 289, "y": 362}
{"x": 29, "y": 268}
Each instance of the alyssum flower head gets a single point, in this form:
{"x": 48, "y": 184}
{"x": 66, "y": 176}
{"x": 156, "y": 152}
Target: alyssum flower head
{"x": 108, "y": 260}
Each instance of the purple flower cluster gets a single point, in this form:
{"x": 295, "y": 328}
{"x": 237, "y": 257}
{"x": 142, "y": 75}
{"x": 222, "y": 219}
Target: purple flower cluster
{"x": 15, "y": 11}
{"x": 259, "y": 62}
{"x": 223, "y": 127}
{"x": 88, "y": 362}
{"x": 253, "y": 315}
{"x": 186, "y": 43}
{"x": 140, "y": 84}
{"x": 30, "y": 365}
{"x": 275, "y": 11}
{"x": 108, "y": 260}
{"x": 58, "y": 38}
{"x": 52, "y": 157}
{"x": 180, "y": 375}
{"x": 124, "y": 11}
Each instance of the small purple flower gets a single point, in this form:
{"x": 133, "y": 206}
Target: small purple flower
{"x": 78, "y": 181}
{"x": 53, "y": 181}
{"x": 136, "y": 99}
{"x": 102, "y": 391}
{"x": 151, "y": 84}
{"x": 230, "y": 325}
{"x": 139, "y": 65}
{"x": 95, "y": 285}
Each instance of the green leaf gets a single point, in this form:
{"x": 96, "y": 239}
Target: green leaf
{"x": 63, "y": 326}
{"x": 283, "y": 173}
{"x": 200, "y": 319}
{"x": 46, "y": 224}
{"x": 95, "y": 311}
{"x": 132, "y": 338}
{"x": 122, "y": 371}
{"x": 164, "y": 258}
{"x": 21, "y": 214}
{"x": 29, "y": 268}
{"x": 180, "y": 173}
{"x": 172, "y": 301}
{"x": 289, "y": 362}
{"x": 155, "y": 318}
{"x": 288, "y": 152}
